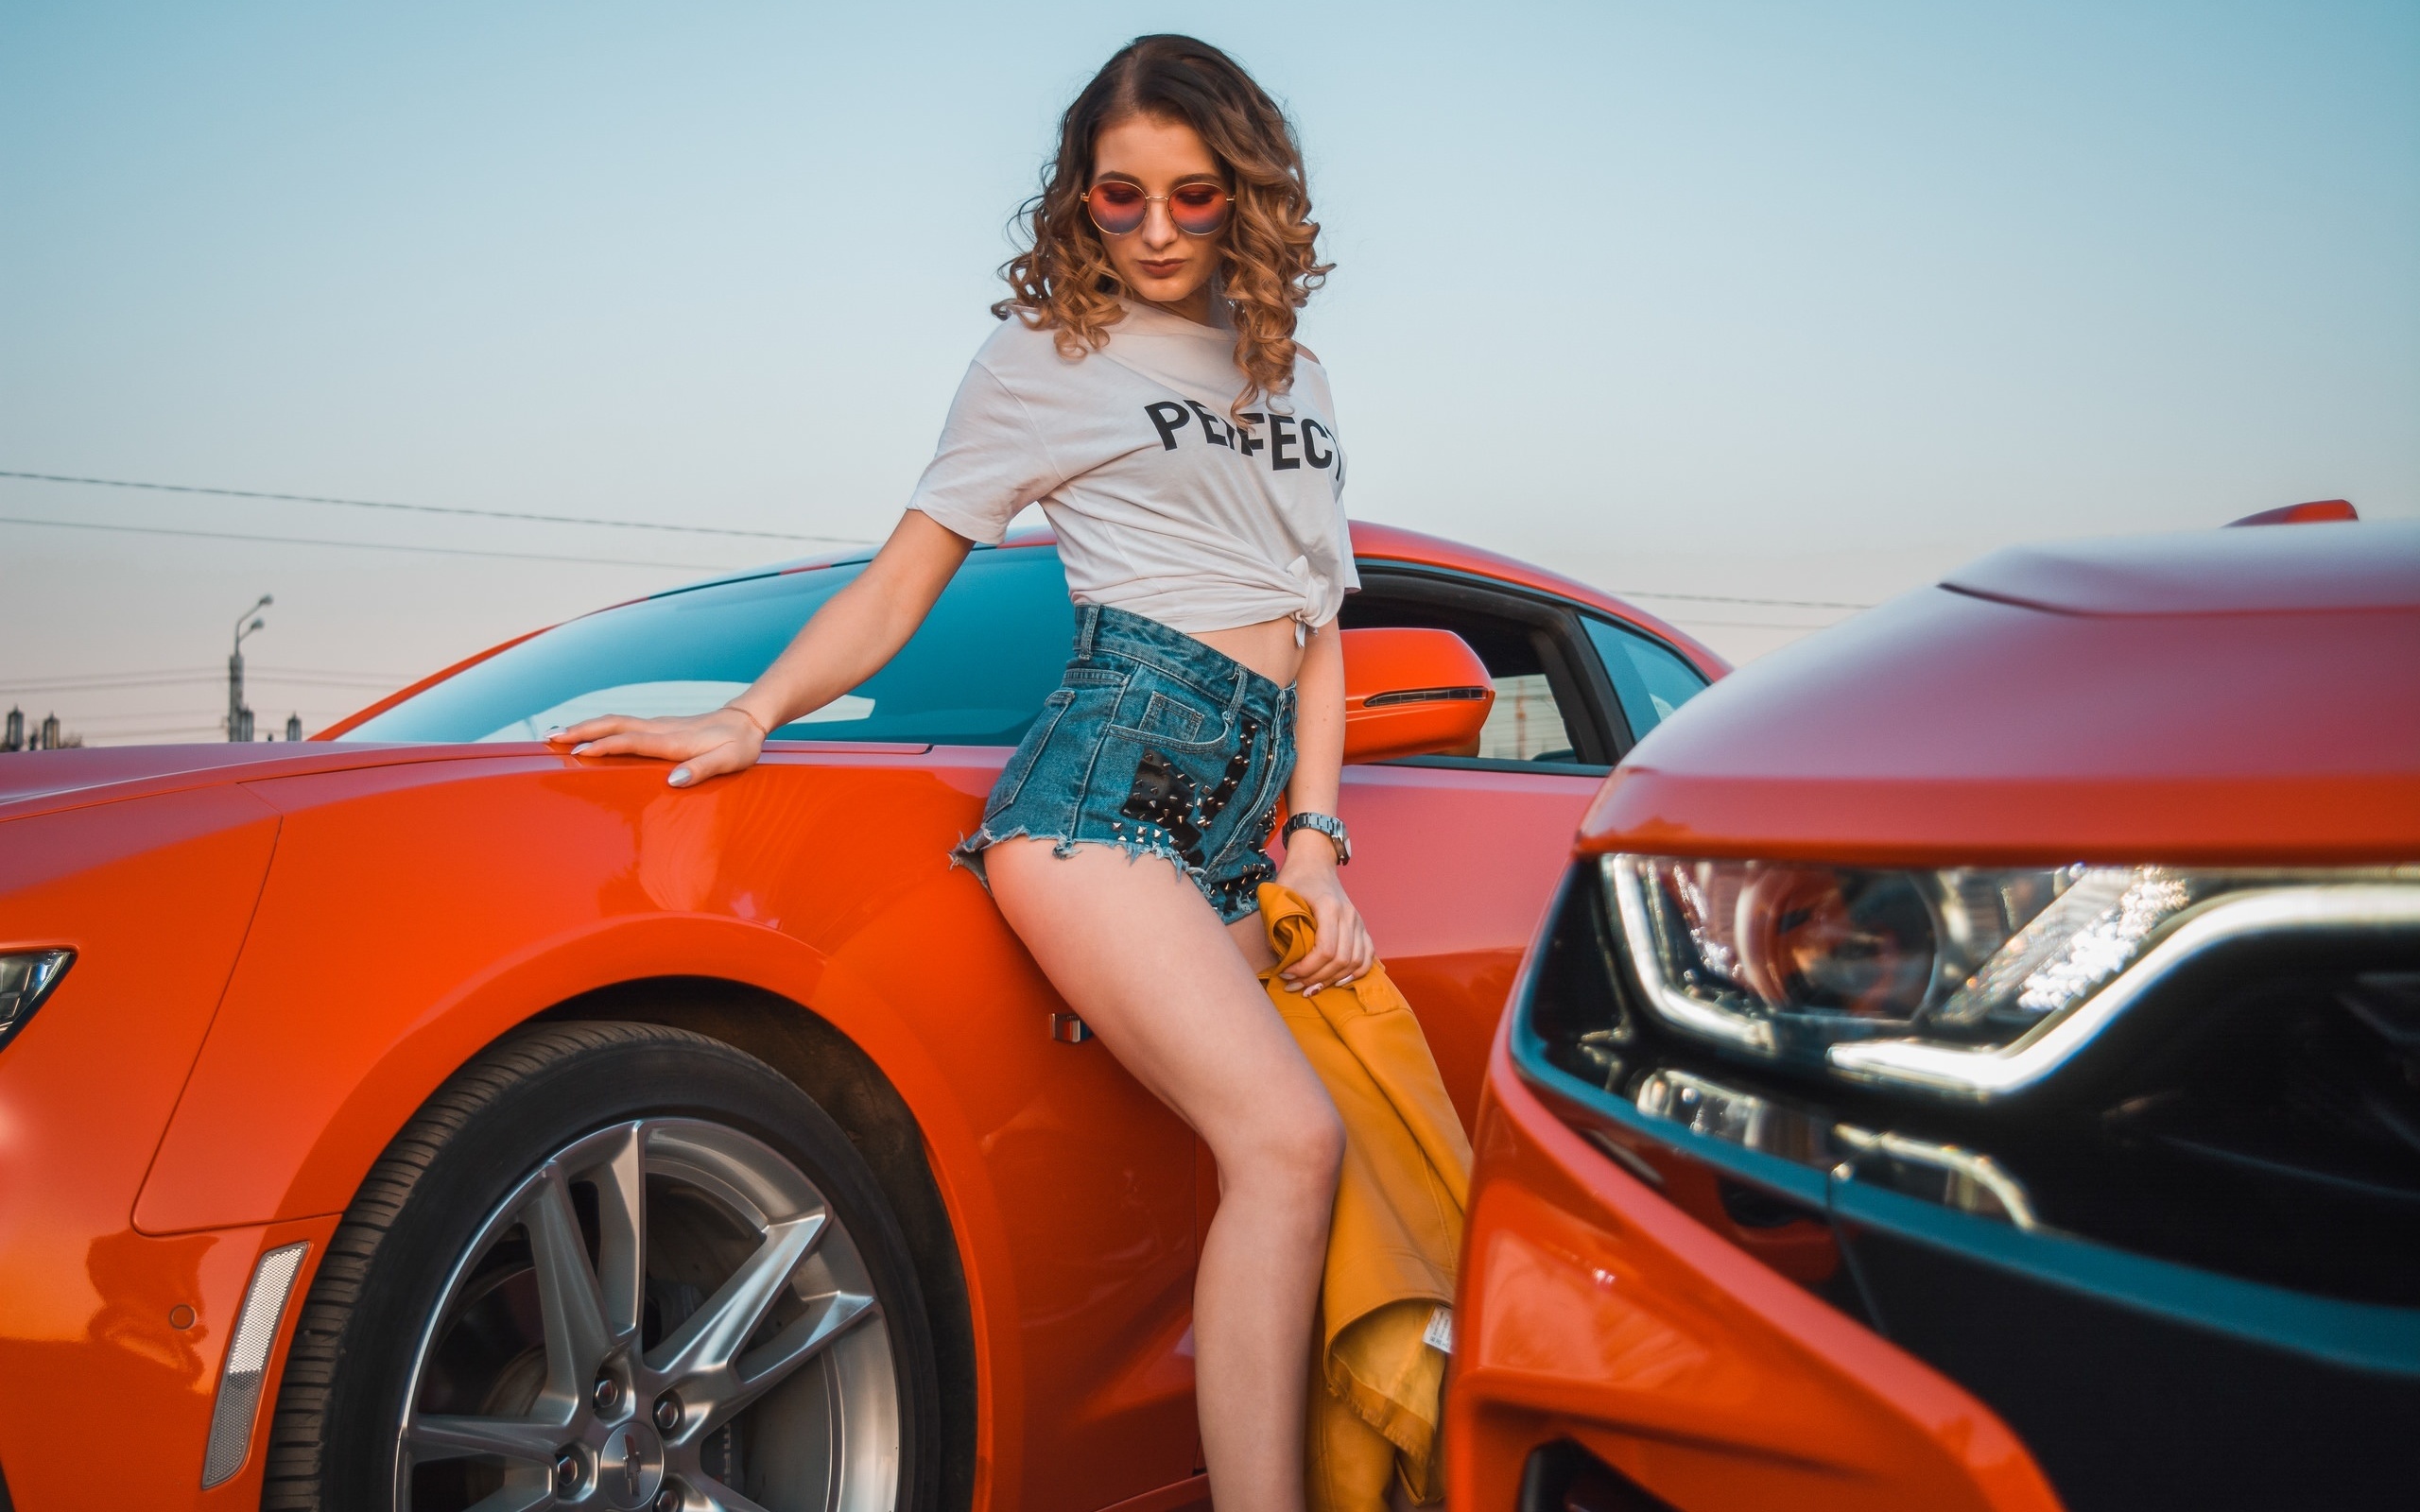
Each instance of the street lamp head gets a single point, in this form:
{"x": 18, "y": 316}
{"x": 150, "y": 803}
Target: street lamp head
{"x": 267, "y": 599}
{"x": 243, "y": 629}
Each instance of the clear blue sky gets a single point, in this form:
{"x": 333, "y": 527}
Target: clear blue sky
{"x": 1808, "y": 300}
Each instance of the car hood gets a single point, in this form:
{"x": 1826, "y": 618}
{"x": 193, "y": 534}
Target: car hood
{"x": 2241, "y": 695}
{"x": 41, "y": 780}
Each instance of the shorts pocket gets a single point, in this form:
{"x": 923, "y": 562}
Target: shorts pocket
{"x": 1179, "y": 722}
{"x": 1173, "y": 725}
{"x": 1012, "y": 777}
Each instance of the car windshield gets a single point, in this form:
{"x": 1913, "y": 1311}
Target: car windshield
{"x": 975, "y": 674}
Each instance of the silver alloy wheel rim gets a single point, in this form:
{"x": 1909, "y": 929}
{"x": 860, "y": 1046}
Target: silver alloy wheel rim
{"x": 790, "y": 1345}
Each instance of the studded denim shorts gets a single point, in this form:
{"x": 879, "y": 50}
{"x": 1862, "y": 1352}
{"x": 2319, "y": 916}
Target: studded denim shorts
{"x": 1155, "y": 744}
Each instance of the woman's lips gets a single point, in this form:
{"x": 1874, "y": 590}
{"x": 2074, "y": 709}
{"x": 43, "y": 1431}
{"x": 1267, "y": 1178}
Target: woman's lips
{"x": 1173, "y": 266}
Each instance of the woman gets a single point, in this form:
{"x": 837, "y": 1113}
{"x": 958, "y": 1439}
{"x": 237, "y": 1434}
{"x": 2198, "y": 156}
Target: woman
{"x": 1146, "y": 388}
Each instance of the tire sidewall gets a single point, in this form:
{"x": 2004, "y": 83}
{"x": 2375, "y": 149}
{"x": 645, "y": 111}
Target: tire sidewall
{"x": 576, "y": 1090}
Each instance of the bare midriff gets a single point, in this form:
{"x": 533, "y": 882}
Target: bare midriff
{"x": 1268, "y": 647}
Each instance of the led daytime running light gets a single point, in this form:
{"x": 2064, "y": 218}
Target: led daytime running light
{"x": 1966, "y": 982}
{"x": 1981, "y": 1074}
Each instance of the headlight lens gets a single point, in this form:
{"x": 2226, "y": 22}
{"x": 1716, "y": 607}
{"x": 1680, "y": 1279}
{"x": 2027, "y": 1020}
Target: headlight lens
{"x": 1790, "y": 960}
{"x": 27, "y": 978}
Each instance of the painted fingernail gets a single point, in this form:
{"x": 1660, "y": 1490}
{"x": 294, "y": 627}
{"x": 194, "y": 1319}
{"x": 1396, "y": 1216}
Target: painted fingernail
{"x": 552, "y": 731}
{"x": 680, "y": 777}
{"x": 581, "y": 746}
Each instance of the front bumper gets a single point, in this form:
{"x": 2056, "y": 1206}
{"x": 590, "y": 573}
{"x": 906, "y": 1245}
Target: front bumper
{"x": 114, "y": 1340}
{"x": 1596, "y": 1312}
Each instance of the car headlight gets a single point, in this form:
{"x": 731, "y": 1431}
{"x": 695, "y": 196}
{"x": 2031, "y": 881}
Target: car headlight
{"x": 1972, "y": 982}
{"x": 27, "y": 978}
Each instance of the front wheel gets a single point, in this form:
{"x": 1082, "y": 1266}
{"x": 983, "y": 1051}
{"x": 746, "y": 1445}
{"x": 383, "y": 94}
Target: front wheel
{"x": 613, "y": 1265}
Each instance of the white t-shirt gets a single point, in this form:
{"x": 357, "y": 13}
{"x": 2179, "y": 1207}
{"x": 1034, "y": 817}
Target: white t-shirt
{"x": 1163, "y": 505}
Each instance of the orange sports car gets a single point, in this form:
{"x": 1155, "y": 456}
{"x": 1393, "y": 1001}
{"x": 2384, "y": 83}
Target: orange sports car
{"x": 423, "y": 1119}
{"x": 1973, "y": 1062}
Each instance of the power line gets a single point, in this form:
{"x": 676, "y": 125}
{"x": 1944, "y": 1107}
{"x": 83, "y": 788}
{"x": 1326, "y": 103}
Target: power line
{"x": 113, "y": 681}
{"x": 363, "y": 545}
{"x": 289, "y": 679}
{"x": 219, "y": 669}
{"x": 260, "y": 679}
{"x": 435, "y": 508}
{"x": 1723, "y": 598}
{"x": 215, "y": 733}
{"x": 277, "y": 670}
{"x": 140, "y": 715}
{"x": 180, "y": 718}
{"x": 51, "y": 685}
{"x": 1748, "y": 625}
{"x": 627, "y": 524}
{"x": 131, "y": 672}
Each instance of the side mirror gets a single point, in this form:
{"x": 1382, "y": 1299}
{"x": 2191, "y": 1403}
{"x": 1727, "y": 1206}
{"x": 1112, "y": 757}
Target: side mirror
{"x": 1413, "y": 693}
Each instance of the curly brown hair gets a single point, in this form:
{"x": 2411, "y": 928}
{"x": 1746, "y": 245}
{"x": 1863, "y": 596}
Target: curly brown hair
{"x": 1268, "y": 258}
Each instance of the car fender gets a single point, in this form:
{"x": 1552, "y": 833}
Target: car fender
{"x": 287, "y": 1109}
{"x": 415, "y": 914}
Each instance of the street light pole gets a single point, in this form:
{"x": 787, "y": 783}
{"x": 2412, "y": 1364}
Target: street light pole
{"x": 239, "y": 719}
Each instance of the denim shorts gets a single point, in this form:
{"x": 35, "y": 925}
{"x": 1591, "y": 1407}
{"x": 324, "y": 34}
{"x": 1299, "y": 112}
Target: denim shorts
{"x": 1155, "y": 744}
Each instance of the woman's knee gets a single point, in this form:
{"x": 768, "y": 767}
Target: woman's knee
{"x": 1299, "y": 1148}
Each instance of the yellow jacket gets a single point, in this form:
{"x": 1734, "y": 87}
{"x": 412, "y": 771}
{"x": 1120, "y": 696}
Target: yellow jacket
{"x": 1397, "y": 1234}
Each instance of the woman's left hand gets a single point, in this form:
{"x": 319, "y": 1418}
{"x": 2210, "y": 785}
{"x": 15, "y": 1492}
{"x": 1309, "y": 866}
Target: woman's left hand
{"x": 1343, "y": 949}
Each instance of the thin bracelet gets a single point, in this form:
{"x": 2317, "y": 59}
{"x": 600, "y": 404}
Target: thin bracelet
{"x": 752, "y": 719}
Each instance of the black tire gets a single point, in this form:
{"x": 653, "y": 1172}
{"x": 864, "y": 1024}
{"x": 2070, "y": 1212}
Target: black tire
{"x": 359, "y": 1339}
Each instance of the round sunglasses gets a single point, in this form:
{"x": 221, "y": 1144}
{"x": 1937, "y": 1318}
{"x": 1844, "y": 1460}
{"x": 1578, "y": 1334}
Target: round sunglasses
{"x": 1196, "y": 209}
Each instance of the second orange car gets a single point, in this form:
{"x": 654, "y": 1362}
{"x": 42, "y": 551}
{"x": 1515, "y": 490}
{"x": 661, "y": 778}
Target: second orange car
{"x": 1975, "y": 1062}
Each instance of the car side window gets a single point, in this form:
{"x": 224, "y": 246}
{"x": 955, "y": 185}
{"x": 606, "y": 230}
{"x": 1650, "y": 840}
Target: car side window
{"x": 1527, "y": 723}
{"x": 1650, "y": 678}
{"x": 975, "y": 673}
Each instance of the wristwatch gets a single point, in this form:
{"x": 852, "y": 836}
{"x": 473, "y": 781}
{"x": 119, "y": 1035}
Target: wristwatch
{"x": 1327, "y": 824}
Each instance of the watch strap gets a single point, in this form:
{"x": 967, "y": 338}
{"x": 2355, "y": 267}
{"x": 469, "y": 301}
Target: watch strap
{"x": 1328, "y": 825}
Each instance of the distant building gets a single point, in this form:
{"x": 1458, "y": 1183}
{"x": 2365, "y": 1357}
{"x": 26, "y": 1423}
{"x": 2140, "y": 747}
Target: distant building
{"x": 294, "y": 726}
{"x": 15, "y": 737}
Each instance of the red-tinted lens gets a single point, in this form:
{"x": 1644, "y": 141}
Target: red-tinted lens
{"x": 1197, "y": 209}
{"x": 1116, "y": 208}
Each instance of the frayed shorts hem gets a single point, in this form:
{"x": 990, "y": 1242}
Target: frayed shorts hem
{"x": 969, "y": 850}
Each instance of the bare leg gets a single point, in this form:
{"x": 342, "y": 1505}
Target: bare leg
{"x": 1136, "y": 951}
